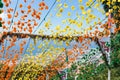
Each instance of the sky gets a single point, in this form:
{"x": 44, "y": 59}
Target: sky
{"x": 58, "y": 19}
{"x": 53, "y": 19}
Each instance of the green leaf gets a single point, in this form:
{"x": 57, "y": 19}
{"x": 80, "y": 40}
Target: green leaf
{"x": 1, "y": 5}
{"x": 0, "y": 11}
{"x": 0, "y": 24}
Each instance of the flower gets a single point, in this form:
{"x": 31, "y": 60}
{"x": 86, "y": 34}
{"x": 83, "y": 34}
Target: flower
{"x": 79, "y": 0}
{"x": 47, "y": 24}
{"x": 67, "y": 27}
{"x": 90, "y": 0}
{"x": 65, "y": 5}
{"x": 82, "y": 7}
{"x": 89, "y": 11}
{"x": 59, "y": 5}
{"x": 87, "y": 4}
{"x": 69, "y": 14}
{"x": 114, "y": 7}
{"x": 58, "y": 0}
{"x": 96, "y": 5}
{"x": 83, "y": 12}
{"x": 95, "y": 23}
{"x": 83, "y": 17}
{"x": 61, "y": 10}
{"x": 63, "y": 21}
{"x": 108, "y": 3}
{"x": 73, "y": 7}
{"x": 79, "y": 24}
{"x": 58, "y": 14}
{"x": 57, "y": 27}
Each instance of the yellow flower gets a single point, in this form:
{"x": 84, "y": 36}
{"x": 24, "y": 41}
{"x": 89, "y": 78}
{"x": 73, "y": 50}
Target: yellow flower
{"x": 78, "y": 16}
{"x": 107, "y": 14}
{"x": 47, "y": 24}
{"x": 73, "y": 21}
{"x": 65, "y": 5}
{"x": 87, "y": 19}
{"x": 114, "y": 0}
{"x": 82, "y": 7}
{"x": 83, "y": 12}
{"x": 90, "y": 28}
{"x": 83, "y": 17}
{"x": 108, "y": 3}
{"x": 114, "y": 7}
{"x": 98, "y": 19}
{"x": 80, "y": 0}
{"x": 87, "y": 4}
{"x": 20, "y": 78}
{"x": 90, "y": 16}
{"x": 95, "y": 23}
{"x": 63, "y": 30}
{"x": 59, "y": 5}
{"x": 61, "y": 10}
{"x": 89, "y": 11}
{"x": 63, "y": 21}
{"x": 58, "y": 14}
{"x": 57, "y": 27}
{"x": 58, "y": 0}
{"x": 67, "y": 27}
{"x": 90, "y": 0}
{"x": 73, "y": 7}
{"x": 79, "y": 24}
{"x": 102, "y": 1}
{"x": 40, "y": 46}
{"x": 70, "y": 20}
{"x": 96, "y": 5}
{"x": 69, "y": 14}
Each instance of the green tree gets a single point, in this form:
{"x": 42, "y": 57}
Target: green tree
{"x": 1, "y": 6}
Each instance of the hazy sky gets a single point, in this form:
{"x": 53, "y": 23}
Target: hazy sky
{"x": 53, "y": 19}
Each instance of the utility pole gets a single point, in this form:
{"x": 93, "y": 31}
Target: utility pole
{"x": 109, "y": 24}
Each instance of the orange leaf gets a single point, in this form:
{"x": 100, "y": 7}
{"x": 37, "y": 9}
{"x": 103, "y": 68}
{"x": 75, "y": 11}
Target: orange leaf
{"x": 22, "y": 11}
{"x": 25, "y": 1}
{"x": 16, "y": 15}
{"x": 80, "y": 39}
{"x": 29, "y": 10}
{"x": 46, "y": 7}
{"x": 9, "y": 22}
{"x": 0, "y": 18}
{"x": 29, "y": 6}
{"x": 20, "y": 5}
{"x": 41, "y": 8}
{"x": 9, "y": 15}
{"x": 4, "y": 1}
{"x": 6, "y": 4}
